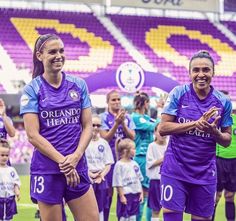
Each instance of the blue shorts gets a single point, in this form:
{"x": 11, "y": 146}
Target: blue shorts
{"x": 52, "y": 188}
{"x": 141, "y": 160}
{"x": 192, "y": 198}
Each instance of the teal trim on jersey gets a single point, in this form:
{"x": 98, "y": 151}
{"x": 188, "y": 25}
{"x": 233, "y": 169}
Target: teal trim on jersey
{"x": 229, "y": 152}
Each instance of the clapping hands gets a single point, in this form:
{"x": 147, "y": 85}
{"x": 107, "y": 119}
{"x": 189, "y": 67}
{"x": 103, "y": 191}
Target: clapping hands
{"x": 203, "y": 123}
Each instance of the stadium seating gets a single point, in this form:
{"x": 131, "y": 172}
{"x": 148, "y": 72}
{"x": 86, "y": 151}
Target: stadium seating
{"x": 169, "y": 43}
{"x": 90, "y": 48}
{"x": 21, "y": 151}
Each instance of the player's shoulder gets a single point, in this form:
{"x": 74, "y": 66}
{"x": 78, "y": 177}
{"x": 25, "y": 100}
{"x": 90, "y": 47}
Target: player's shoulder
{"x": 33, "y": 85}
{"x": 223, "y": 98}
{"x": 74, "y": 79}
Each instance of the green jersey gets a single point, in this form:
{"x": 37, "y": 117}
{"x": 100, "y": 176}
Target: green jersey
{"x": 230, "y": 151}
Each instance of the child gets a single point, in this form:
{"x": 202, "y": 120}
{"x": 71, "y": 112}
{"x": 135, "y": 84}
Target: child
{"x": 9, "y": 184}
{"x": 100, "y": 159}
{"x": 127, "y": 179}
{"x": 154, "y": 157}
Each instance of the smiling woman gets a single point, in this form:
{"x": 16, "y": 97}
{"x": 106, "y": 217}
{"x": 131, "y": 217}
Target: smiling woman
{"x": 57, "y": 115}
{"x": 197, "y": 117}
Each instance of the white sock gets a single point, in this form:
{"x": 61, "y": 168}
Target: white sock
{"x": 155, "y": 219}
{"x": 132, "y": 218}
{"x": 101, "y": 216}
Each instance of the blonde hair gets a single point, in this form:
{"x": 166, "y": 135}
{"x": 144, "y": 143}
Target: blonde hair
{"x": 123, "y": 147}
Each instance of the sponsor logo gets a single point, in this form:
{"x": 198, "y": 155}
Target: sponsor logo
{"x": 24, "y": 100}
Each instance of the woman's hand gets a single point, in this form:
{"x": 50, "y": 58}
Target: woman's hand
{"x": 99, "y": 179}
{"x": 69, "y": 163}
{"x": 203, "y": 125}
{"x": 72, "y": 179}
{"x": 120, "y": 117}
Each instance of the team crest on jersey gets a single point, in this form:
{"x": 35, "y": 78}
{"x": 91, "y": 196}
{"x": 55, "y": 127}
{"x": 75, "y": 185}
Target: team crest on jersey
{"x": 74, "y": 95}
{"x": 136, "y": 169}
{"x": 101, "y": 148}
{"x": 12, "y": 174}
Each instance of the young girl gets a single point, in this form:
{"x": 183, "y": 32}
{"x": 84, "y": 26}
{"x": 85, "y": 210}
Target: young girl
{"x": 100, "y": 159}
{"x": 9, "y": 184}
{"x": 154, "y": 157}
{"x": 127, "y": 179}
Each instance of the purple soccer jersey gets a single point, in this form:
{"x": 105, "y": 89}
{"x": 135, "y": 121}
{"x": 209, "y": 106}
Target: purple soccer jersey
{"x": 59, "y": 112}
{"x": 108, "y": 120}
{"x": 190, "y": 156}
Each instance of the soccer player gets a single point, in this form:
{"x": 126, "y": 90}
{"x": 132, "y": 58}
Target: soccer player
{"x": 57, "y": 115}
{"x": 116, "y": 123}
{"x": 196, "y": 116}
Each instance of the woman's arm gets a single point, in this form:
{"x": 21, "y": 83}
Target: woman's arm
{"x": 31, "y": 123}
{"x": 109, "y": 134}
{"x": 6, "y": 121}
{"x": 11, "y": 131}
{"x": 128, "y": 132}
{"x": 168, "y": 126}
{"x": 224, "y": 136}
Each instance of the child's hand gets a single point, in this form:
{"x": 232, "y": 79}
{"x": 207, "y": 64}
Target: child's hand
{"x": 17, "y": 194}
{"x": 123, "y": 200}
{"x": 94, "y": 175}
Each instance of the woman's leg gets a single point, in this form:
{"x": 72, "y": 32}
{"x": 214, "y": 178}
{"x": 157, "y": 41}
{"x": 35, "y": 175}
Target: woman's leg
{"x": 50, "y": 212}
{"x": 85, "y": 207}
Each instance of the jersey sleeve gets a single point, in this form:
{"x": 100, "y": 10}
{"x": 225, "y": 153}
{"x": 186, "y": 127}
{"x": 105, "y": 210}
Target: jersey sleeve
{"x": 117, "y": 176}
{"x": 86, "y": 102}
{"x": 131, "y": 123}
{"x": 104, "y": 121}
{"x": 15, "y": 177}
{"x": 227, "y": 119}
{"x": 150, "y": 156}
{"x": 29, "y": 100}
{"x": 139, "y": 173}
{"x": 171, "y": 104}
{"x": 143, "y": 123}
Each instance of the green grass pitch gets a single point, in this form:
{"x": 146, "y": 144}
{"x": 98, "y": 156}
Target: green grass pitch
{"x": 26, "y": 209}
